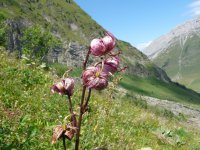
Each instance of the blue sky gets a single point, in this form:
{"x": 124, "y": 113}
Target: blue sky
{"x": 140, "y": 21}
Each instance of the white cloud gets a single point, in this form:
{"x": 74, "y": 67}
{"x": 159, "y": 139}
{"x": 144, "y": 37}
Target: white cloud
{"x": 195, "y": 8}
{"x": 195, "y": 4}
{"x": 142, "y": 46}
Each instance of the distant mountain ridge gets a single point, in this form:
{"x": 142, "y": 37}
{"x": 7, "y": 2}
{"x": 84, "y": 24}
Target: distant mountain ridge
{"x": 180, "y": 33}
{"x": 178, "y": 53}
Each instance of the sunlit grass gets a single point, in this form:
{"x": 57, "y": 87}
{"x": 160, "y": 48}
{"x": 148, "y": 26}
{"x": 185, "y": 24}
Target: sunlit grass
{"x": 29, "y": 112}
{"x": 156, "y": 88}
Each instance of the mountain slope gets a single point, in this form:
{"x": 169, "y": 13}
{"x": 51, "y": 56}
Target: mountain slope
{"x": 66, "y": 21}
{"x": 75, "y": 29}
{"x": 178, "y": 53}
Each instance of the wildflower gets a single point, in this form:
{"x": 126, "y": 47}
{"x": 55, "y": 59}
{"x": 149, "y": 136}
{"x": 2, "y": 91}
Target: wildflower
{"x": 97, "y": 47}
{"x": 109, "y": 41}
{"x": 64, "y": 87}
{"x": 102, "y": 46}
{"x": 111, "y": 65}
{"x": 94, "y": 77}
{"x": 57, "y": 133}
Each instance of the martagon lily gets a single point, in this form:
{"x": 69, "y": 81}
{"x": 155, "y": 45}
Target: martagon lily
{"x": 111, "y": 65}
{"x": 64, "y": 87}
{"x": 99, "y": 47}
{"x": 95, "y": 78}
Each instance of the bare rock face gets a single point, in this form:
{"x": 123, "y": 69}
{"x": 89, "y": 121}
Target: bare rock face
{"x": 179, "y": 34}
{"x": 193, "y": 115}
{"x": 161, "y": 75}
{"x": 14, "y": 33}
{"x": 73, "y": 54}
{"x": 74, "y": 27}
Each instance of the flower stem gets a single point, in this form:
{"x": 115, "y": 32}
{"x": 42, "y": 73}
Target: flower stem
{"x": 81, "y": 104}
{"x": 73, "y": 117}
{"x": 64, "y": 144}
{"x": 87, "y": 100}
{"x": 80, "y": 119}
{"x": 86, "y": 59}
{"x": 123, "y": 69}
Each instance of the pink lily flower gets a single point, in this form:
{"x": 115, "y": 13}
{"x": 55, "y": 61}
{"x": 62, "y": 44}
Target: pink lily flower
{"x": 95, "y": 78}
{"x": 97, "y": 47}
{"x": 109, "y": 41}
{"x": 111, "y": 65}
{"x": 64, "y": 87}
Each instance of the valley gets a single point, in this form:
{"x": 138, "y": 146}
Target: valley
{"x": 145, "y": 105}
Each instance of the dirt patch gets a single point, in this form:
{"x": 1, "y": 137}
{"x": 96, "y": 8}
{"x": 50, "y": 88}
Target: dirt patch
{"x": 193, "y": 115}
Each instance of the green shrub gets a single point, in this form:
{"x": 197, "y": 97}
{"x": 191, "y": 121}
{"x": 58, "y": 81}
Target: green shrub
{"x": 36, "y": 43}
{"x": 3, "y": 31}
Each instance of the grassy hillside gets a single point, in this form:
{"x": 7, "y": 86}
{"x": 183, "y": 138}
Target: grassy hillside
{"x": 64, "y": 19}
{"x": 182, "y": 63}
{"x": 70, "y": 24}
{"x": 156, "y": 88}
{"x": 29, "y": 112}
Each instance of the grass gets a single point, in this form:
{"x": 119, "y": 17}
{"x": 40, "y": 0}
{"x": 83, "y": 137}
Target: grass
{"x": 156, "y": 88}
{"x": 60, "y": 69}
{"x": 29, "y": 112}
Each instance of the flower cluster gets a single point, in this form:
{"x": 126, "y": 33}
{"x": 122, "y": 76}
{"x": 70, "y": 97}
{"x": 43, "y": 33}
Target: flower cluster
{"x": 96, "y": 77}
{"x": 93, "y": 77}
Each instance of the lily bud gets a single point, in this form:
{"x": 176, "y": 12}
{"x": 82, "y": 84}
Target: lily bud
{"x": 65, "y": 87}
{"x": 97, "y": 47}
{"x": 94, "y": 78}
{"x": 111, "y": 65}
{"x": 109, "y": 41}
